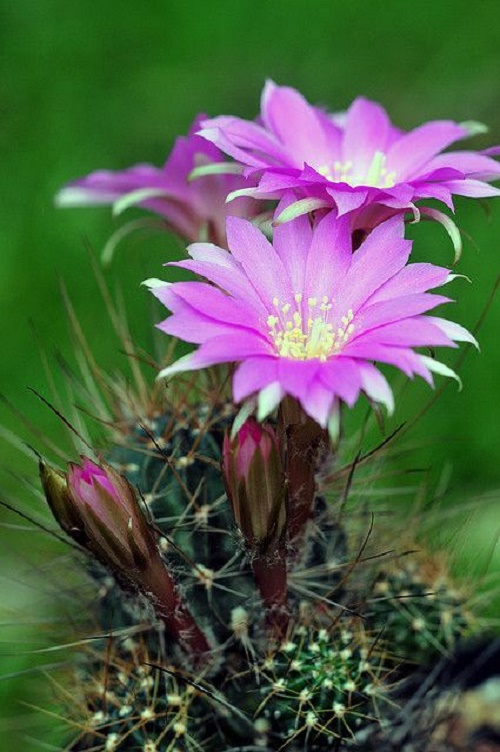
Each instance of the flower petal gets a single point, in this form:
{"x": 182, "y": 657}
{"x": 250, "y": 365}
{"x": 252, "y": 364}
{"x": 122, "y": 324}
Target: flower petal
{"x": 292, "y": 241}
{"x": 402, "y": 357}
{"x": 329, "y": 257}
{"x": 209, "y": 302}
{"x": 253, "y": 375}
{"x": 295, "y": 376}
{"x": 384, "y": 312}
{"x": 318, "y": 403}
{"x": 346, "y": 199}
{"x": 366, "y": 131}
{"x": 257, "y": 257}
{"x": 472, "y": 188}
{"x": 454, "y": 331}
{"x": 409, "y": 154}
{"x": 291, "y": 118}
{"x": 382, "y": 255}
{"x": 375, "y": 386}
{"x": 471, "y": 164}
{"x": 227, "y": 348}
{"x": 238, "y": 137}
{"x": 342, "y": 376}
{"x": 417, "y": 331}
{"x": 413, "y": 279}
{"x": 219, "y": 267}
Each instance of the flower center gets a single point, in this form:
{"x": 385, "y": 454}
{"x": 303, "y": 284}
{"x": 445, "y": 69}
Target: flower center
{"x": 305, "y": 329}
{"x": 375, "y": 176}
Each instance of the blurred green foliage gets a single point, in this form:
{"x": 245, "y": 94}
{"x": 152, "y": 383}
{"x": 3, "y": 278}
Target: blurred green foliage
{"x": 108, "y": 84}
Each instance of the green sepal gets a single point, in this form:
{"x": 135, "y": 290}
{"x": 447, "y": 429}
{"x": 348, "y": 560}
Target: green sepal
{"x": 137, "y": 197}
{"x": 298, "y": 208}
{"x": 437, "y": 367}
{"x": 215, "y": 168}
{"x": 59, "y": 498}
{"x": 450, "y": 227}
{"x": 474, "y": 127}
{"x": 144, "y": 223}
{"x": 246, "y": 410}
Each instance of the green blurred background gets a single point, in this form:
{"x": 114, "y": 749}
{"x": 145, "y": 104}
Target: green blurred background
{"x": 105, "y": 84}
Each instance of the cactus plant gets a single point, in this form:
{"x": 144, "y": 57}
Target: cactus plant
{"x": 334, "y": 672}
{"x": 236, "y": 603}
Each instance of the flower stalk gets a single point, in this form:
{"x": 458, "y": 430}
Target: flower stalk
{"x": 307, "y": 448}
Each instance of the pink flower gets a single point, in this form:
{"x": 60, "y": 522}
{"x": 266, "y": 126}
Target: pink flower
{"x": 350, "y": 161}
{"x": 196, "y": 210}
{"x": 306, "y": 317}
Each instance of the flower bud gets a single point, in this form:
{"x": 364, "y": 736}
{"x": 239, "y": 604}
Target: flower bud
{"x": 255, "y": 484}
{"x": 98, "y": 508}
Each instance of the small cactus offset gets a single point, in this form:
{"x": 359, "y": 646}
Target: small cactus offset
{"x": 236, "y": 602}
{"x": 421, "y": 610}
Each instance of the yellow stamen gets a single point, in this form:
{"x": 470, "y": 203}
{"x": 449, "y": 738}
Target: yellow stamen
{"x": 315, "y": 336}
{"x": 376, "y": 176}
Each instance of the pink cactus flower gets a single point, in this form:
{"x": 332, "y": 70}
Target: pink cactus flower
{"x": 195, "y": 210}
{"x": 351, "y": 161}
{"x": 306, "y": 317}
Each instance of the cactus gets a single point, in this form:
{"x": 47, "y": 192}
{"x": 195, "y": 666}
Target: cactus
{"x": 174, "y": 462}
{"x": 332, "y": 674}
{"x": 360, "y": 625}
{"x": 239, "y": 605}
{"x": 328, "y": 678}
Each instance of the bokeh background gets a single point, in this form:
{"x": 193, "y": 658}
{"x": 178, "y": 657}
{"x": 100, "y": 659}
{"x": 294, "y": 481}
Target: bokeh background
{"x": 108, "y": 84}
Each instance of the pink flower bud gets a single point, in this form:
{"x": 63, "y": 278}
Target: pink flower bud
{"x": 252, "y": 438}
{"x": 256, "y": 489}
{"x": 112, "y": 522}
{"x": 99, "y": 509}
{"x": 255, "y": 483}
{"x": 87, "y": 479}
